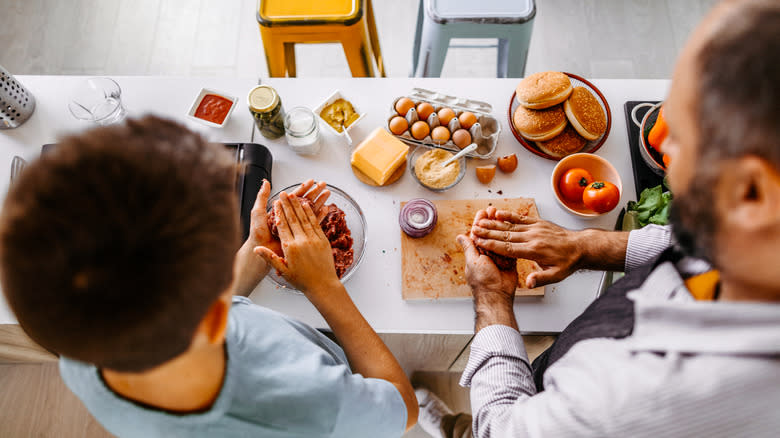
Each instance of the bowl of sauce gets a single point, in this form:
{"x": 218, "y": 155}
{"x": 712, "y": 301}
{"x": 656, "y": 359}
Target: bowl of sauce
{"x": 212, "y": 108}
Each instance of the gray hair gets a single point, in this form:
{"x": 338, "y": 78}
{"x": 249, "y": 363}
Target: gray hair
{"x": 739, "y": 91}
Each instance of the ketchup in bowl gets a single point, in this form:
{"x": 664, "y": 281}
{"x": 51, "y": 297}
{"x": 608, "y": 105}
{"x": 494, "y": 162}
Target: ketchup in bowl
{"x": 213, "y": 108}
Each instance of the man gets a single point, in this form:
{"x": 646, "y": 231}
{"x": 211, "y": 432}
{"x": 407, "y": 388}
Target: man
{"x": 675, "y": 348}
{"x": 118, "y": 252}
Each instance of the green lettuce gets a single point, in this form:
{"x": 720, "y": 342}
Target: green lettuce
{"x": 652, "y": 207}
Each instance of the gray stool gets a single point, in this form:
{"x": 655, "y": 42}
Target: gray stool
{"x": 511, "y": 21}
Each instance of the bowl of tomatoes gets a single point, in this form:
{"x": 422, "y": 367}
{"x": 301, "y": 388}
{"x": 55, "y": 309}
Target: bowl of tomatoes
{"x": 586, "y": 185}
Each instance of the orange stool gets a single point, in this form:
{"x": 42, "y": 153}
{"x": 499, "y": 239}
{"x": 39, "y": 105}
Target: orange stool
{"x": 283, "y": 23}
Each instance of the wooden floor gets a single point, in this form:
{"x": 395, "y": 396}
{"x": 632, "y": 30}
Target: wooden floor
{"x": 593, "y": 38}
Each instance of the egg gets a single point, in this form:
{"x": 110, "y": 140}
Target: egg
{"x": 398, "y": 125}
{"x": 424, "y": 109}
{"x": 440, "y": 135}
{"x": 420, "y": 130}
{"x": 403, "y": 105}
{"x": 467, "y": 119}
{"x": 461, "y": 138}
{"x": 445, "y": 115}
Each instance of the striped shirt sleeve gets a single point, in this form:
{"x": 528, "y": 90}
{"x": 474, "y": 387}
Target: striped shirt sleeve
{"x": 646, "y": 244}
{"x": 499, "y": 375}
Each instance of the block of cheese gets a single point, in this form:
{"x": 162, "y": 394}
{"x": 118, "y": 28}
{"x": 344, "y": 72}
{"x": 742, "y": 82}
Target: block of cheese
{"x": 379, "y": 155}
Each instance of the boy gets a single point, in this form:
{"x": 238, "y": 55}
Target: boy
{"x": 119, "y": 253}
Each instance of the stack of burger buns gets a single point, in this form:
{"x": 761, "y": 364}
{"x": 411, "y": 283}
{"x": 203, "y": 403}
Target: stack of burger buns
{"x": 558, "y": 117}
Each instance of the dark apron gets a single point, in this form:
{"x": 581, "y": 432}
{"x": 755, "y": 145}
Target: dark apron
{"x": 609, "y": 316}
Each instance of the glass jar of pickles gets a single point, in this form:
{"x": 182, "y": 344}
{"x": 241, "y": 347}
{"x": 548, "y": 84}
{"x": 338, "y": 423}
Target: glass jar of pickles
{"x": 266, "y": 107}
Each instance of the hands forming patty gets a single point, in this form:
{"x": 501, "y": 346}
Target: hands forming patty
{"x": 307, "y": 261}
{"x": 557, "y": 250}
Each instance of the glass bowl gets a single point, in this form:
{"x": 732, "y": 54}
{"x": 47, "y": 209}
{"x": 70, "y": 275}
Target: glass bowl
{"x": 356, "y": 222}
{"x": 417, "y": 152}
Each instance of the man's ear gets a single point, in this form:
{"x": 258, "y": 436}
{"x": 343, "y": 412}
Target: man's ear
{"x": 750, "y": 192}
{"x": 214, "y": 324}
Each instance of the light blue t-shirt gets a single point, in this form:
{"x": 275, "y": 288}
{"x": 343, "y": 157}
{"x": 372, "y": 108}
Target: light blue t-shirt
{"x": 284, "y": 379}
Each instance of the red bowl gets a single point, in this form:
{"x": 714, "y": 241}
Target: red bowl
{"x": 590, "y": 147}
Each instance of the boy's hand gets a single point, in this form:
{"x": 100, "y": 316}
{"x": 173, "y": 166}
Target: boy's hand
{"x": 259, "y": 234}
{"x": 308, "y": 259}
{"x": 249, "y": 269}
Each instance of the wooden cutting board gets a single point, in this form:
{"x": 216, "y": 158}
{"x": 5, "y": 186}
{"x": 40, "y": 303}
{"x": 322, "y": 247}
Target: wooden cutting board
{"x": 432, "y": 267}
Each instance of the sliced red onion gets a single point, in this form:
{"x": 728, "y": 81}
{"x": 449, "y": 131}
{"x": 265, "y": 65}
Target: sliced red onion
{"x": 418, "y": 217}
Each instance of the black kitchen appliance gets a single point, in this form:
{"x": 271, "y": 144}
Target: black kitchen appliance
{"x": 258, "y": 163}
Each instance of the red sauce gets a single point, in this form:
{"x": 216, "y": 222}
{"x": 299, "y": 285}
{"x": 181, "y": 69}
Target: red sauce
{"x": 213, "y": 108}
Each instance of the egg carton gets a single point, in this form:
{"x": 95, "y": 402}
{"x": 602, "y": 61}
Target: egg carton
{"x": 484, "y": 133}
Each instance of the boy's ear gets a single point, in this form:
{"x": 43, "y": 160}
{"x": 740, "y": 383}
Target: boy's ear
{"x": 214, "y": 324}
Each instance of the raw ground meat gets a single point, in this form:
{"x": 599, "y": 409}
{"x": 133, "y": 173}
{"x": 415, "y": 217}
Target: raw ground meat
{"x": 334, "y": 225}
{"x": 502, "y": 263}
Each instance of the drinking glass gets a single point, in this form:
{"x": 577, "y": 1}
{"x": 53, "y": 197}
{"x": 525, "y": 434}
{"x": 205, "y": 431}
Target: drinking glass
{"x": 98, "y": 100}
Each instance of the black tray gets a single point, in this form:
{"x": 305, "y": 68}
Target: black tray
{"x": 644, "y": 177}
{"x": 259, "y": 164}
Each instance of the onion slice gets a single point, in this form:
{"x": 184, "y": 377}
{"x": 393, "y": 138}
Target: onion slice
{"x": 418, "y": 217}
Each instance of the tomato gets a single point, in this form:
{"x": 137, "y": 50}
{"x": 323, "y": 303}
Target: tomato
{"x": 573, "y": 183}
{"x": 601, "y": 196}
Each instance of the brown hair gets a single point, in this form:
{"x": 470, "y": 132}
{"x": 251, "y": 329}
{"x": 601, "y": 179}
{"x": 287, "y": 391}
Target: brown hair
{"x": 113, "y": 247}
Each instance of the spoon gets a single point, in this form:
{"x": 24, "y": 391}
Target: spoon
{"x": 346, "y": 134}
{"x": 466, "y": 150}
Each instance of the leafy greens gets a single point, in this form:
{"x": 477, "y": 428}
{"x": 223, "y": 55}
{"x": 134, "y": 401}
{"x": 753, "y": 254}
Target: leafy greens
{"x": 653, "y": 206}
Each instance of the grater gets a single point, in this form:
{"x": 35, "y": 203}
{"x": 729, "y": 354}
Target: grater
{"x": 16, "y": 102}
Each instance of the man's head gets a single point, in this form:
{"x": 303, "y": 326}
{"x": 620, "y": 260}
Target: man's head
{"x": 724, "y": 140}
{"x": 114, "y": 247}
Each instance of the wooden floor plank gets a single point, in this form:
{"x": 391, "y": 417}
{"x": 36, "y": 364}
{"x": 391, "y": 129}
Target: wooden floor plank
{"x": 34, "y": 402}
{"x": 17, "y": 347}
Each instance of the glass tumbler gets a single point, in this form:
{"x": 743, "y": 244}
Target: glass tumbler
{"x": 302, "y": 131}
{"x": 98, "y": 100}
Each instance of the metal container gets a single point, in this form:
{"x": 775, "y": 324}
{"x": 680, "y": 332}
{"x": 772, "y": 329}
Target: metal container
{"x": 653, "y": 158}
{"x": 266, "y": 107}
{"x": 16, "y": 102}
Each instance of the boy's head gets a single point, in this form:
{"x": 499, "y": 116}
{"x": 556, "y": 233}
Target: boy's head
{"x": 114, "y": 246}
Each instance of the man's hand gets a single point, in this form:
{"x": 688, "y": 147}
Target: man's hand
{"x": 493, "y": 289}
{"x": 308, "y": 259}
{"x": 557, "y": 250}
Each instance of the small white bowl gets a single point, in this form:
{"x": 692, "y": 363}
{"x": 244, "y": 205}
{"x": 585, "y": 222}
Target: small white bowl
{"x": 196, "y": 103}
{"x": 336, "y": 95}
{"x": 599, "y": 168}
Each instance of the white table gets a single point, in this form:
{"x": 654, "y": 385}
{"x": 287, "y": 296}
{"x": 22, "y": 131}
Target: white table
{"x": 376, "y": 286}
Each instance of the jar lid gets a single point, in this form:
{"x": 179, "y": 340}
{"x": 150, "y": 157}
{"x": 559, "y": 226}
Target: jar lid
{"x": 263, "y": 99}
